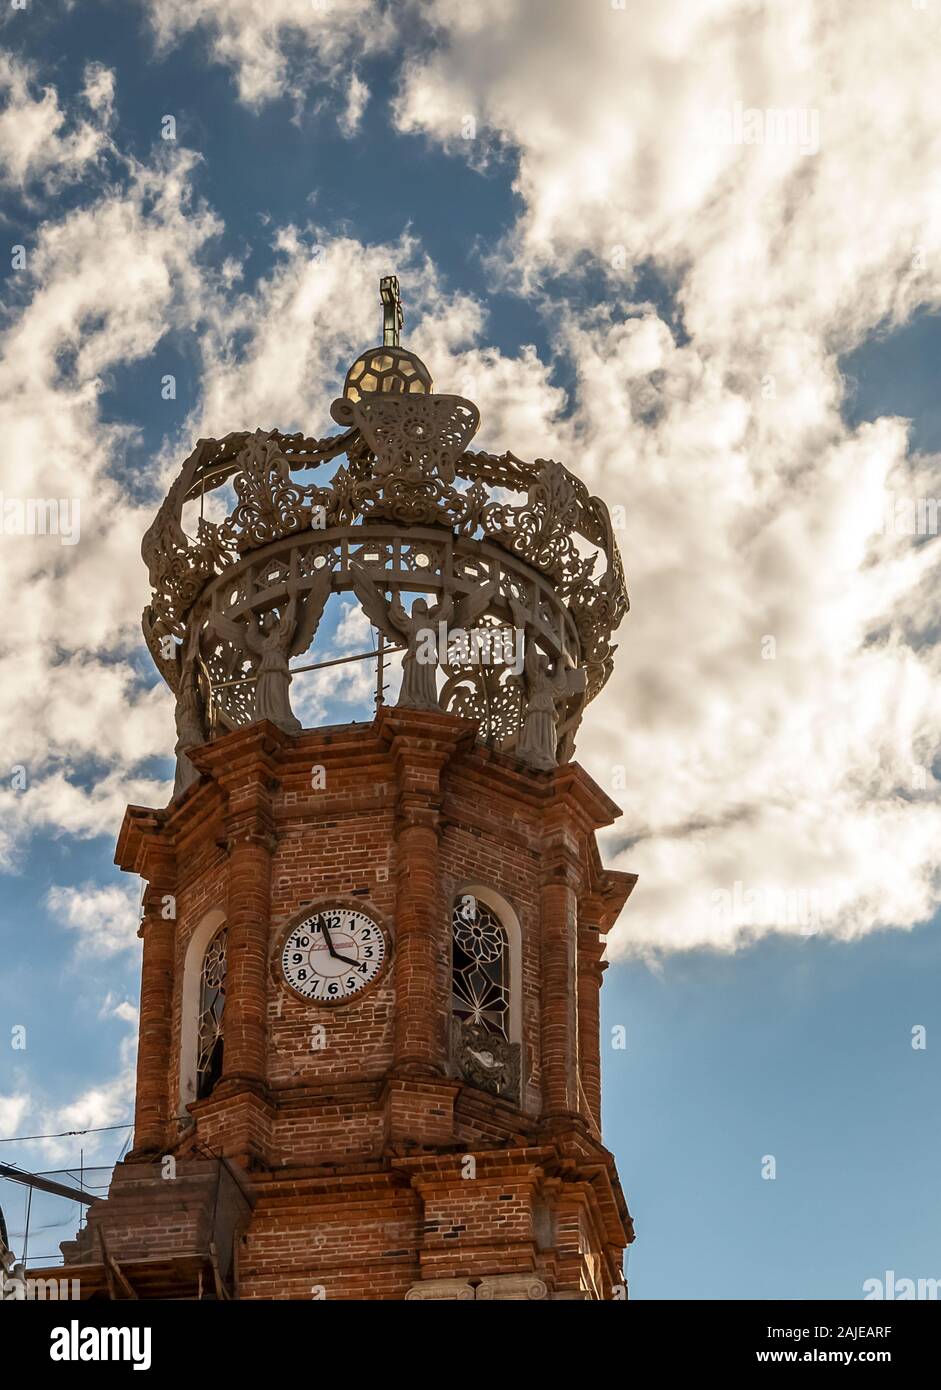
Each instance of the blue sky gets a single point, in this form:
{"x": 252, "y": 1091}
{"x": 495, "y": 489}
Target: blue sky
{"x": 728, "y": 344}
{"x": 796, "y": 1049}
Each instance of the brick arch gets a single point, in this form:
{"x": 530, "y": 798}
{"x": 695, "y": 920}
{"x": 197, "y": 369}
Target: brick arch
{"x": 190, "y": 999}
{"x": 511, "y": 923}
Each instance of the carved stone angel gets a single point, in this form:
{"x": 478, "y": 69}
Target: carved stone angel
{"x": 177, "y": 664}
{"x": 545, "y": 689}
{"x": 274, "y": 639}
{"x": 190, "y": 723}
{"x": 420, "y": 628}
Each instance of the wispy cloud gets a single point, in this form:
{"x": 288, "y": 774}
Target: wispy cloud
{"x": 106, "y": 919}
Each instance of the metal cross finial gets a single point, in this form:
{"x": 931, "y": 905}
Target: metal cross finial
{"x": 392, "y": 316}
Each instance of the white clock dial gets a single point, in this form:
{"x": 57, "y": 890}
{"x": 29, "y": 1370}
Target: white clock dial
{"x": 333, "y": 955}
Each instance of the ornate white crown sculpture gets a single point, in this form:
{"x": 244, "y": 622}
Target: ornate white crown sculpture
{"x": 411, "y": 511}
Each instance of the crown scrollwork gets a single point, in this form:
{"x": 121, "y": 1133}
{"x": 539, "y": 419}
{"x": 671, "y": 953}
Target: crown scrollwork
{"x": 496, "y": 541}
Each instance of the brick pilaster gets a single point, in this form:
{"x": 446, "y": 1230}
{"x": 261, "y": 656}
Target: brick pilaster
{"x": 590, "y": 971}
{"x": 421, "y": 743}
{"x": 248, "y": 915}
{"x": 247, "y": 771}
{"x": 419, "y": 1024}
{"x": 558, "y": 1015}
{"x": 158, "y": 933}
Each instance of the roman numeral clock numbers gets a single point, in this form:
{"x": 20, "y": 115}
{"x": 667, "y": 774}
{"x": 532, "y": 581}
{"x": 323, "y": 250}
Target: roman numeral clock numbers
{"x": 332, "y": 955}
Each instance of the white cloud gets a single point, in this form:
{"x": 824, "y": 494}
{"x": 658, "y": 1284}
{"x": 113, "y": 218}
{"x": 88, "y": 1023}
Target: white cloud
{"x": 634, "y": 166}
{"x": 106, "y": 919}
{"x": 100, "y": 1107}
{"x": 281, "y": 48}
{"x": 12, "y": 1110}
{"x": 357, "y": 95}
{"x": 123, "y": 1009}
{"x": 104, "y": 1105}
{"x": 70, "y": 696}
{"x": 37, "y": 141}
{"x": 98, "y": 88}
{"x": 67, "y": 645}
{"x": 353, "y": 630}
{"x": 302, "y": 326}
{"x": 751, "y": 509}
{"x": 60, "y": 806}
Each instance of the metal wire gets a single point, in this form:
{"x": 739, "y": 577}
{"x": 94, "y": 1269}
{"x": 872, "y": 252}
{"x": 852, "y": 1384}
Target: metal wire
{"x": 65, "y": 1133}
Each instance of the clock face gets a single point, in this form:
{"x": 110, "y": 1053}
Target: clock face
{"x": 333, "y": 955}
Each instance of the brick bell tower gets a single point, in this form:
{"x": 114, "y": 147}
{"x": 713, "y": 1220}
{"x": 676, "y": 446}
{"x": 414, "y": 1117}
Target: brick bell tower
{"x": 369, "y": 1062}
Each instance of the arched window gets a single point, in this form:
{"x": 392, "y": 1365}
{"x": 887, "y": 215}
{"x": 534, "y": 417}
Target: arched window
{"x": 485, "y": 992}
{"x": 211, "y": 1006}
{"x": 480, "y": 966}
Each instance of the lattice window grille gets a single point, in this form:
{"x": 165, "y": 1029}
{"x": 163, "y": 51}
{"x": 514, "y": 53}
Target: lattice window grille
{"x": 480, "y": 966}
{"x": 211, "y": 1007}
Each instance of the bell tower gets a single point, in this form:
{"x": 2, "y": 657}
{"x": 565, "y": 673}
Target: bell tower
{"x": 369, "y": 1057}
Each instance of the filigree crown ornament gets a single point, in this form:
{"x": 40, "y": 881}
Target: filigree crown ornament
{"x": 498, "y": 544}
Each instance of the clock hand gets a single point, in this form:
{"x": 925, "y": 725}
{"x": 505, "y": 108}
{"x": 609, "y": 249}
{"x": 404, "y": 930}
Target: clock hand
{"x": 336, "y": 954}
{"x": 326, "y": 931}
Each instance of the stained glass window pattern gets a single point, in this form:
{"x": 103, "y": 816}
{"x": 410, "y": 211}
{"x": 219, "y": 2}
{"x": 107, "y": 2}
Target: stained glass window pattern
{"x": 480, "y": 991}
{"x": 211, "y": 1006}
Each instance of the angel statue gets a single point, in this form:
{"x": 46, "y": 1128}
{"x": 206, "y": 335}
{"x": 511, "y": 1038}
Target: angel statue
{"x": 421, "y": 629}
{"x": 538, "y": 745}
{"x": 177, "y": 664}
{"x": 190, "y": 723}
{"x": 275, "y": 639}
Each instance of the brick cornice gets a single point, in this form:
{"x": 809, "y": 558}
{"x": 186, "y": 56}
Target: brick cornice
{"x": 245, "y": 764}
{"x": 252, "y": 826}
{"x": 590, "y": 946}
{"x": 417, "y": 808}
{"x": 571, "y": 1159}
{"x": 437, "y": 1168}
{"x": 423, "y": 727}
{"x": 241, "y": 767}
{"x": 571, "y": 783}
{"x": 568, "y": 786}
{"x": 488, "y": 1174}
{"x": 186, "y": 819}
{"x": 244, "y": 755}
{"x": 404, "y": 1081}
{"x": 561, "y": 862}
{"x": 421, "y": 744}
{"x": 237, "y": 1086}
{"x": 599, "y": 909}
{"x": 146, "y": 847}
